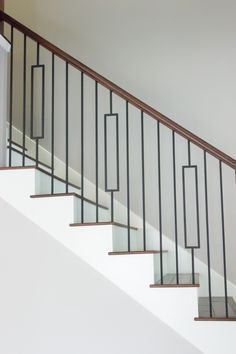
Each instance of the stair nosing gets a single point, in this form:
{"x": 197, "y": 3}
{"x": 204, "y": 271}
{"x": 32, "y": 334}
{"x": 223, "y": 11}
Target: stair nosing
{"x": 153, "y": 286}
{"x": 172, "y": 277}
{"x": 215, "y": 319}
{"x": 126, "y": 253}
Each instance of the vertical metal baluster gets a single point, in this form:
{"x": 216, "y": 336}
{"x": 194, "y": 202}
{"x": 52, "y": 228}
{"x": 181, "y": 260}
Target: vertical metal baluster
{"x": 143, "y": 184}
{"x": 11, "y": 97}
{"x": 207, "y": 235}
{"x": 37, "y": 140}
{"x": 223, "y": 240}
{"x": 82, "y": 147}
{"x": 52, "y": 124}
{"x": 160, "y": 199}
{"x": 192, "y": 249}
{"x": 112, "y": 193}
{"x": 127, "y": 171}
{"x": 175, "y": 210}
{"x": 67, "y": 130}
{"x": 96, "y": 146}
{"x": 24, "y": 100}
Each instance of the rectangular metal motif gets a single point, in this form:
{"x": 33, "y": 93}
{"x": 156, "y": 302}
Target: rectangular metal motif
{"x": 37, "y": 101}
{"x": 191, "y": 207}
{"x": 111, "y": 146}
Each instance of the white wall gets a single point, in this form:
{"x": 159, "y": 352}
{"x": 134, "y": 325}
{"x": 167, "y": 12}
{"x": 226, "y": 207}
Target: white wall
{"x": 179, "y": 56}
{"x": 52, "y": 302}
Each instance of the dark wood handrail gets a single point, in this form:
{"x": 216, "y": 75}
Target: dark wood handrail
{"x": 228, "y": 160}
{"x": 1, "y": 9}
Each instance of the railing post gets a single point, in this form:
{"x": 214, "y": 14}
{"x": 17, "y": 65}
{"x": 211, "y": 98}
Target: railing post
{"x": 4, "y": 50}
{"x": 1, "y": 22}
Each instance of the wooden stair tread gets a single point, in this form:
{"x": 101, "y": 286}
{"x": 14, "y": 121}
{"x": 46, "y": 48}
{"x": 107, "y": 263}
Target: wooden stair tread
{"x": 125, "y": 253}
{"x": 67, "y": 195}
{"x": 114, "y": 223}
{"x": 170, "y": 281}
{"x": 218, "y": 309}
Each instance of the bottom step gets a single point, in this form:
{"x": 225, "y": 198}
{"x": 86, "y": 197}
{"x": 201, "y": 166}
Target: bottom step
{"x": 218, "y": 309}
{"x": 170, "y": 281}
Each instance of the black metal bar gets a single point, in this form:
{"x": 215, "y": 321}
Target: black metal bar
{"x": 207, "y": 235}
{"x": 96, "y": 146}
{"x": 37, "y": 140}
{"x": 11, "y": 97}
{"x": 189, "y": 153}
{"x": 160, "y": 198}
{"x": 82, "y": 147}
{"x": 192, "y": 250}
{"x": 193, "y": 266}
{"x": 67, "y": 128}
{"x": 143, "y": 184}
{"x": 127, "y": 171}
{"x": 197, "y": 209}
{"x": 112, "y": 194}
{"x": 38, "y": 53}
{"x": 105, "y": 151}
{"x": 52, "y": 122}
{"x": 117, "y": 155}
{"x": 24, "y": 99}
{"x": 223, "y": 240}
{"x": 175, "y": 210}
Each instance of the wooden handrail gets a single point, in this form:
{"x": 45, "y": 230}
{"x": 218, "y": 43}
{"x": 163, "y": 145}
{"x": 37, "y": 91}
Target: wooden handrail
{"x": 1, "y": 21}
{"x": 228, "y": 160}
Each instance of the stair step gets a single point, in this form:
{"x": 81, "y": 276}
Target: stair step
{"x": 67, "y": 195}
{"x": 41, "y": 170}
{"x": 170, "y": 281}
{"x": 104, "y": 223}
{"x": 28, "y": 156}
{"x": 125, "y": 253}
{"x": 218, "y": 309}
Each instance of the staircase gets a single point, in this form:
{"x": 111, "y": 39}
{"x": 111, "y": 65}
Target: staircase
{"x": 145, "y": 202}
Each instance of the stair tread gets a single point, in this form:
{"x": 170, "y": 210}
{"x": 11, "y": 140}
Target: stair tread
{"x": 114, "y": 223}
{"x": 170, "y": 281}
{"x": 67, "y": 195}
{"x": 133, "y": 252}
{"x": 218, "y": 309}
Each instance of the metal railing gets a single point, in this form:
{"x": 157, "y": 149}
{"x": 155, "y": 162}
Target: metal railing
{"x": 152, "y": 165}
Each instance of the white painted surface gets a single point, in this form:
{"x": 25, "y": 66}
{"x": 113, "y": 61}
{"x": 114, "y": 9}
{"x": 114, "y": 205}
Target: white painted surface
{"x": 132, "y": 274}
{"x": 53, "y": 302}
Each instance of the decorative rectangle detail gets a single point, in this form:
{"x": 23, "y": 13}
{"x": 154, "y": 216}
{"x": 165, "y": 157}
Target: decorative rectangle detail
{"x": 37, "y": 101}
{"x": 111, "y": 147}
{"x": 191, "y": 207}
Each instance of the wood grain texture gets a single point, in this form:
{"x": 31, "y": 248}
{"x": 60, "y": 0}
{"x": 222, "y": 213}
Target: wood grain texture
{"x": 170, "y": 281}
{"x": 1, "y": 22}
{"x": 228, "y": 160}
{"x": 125, "y": 253}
